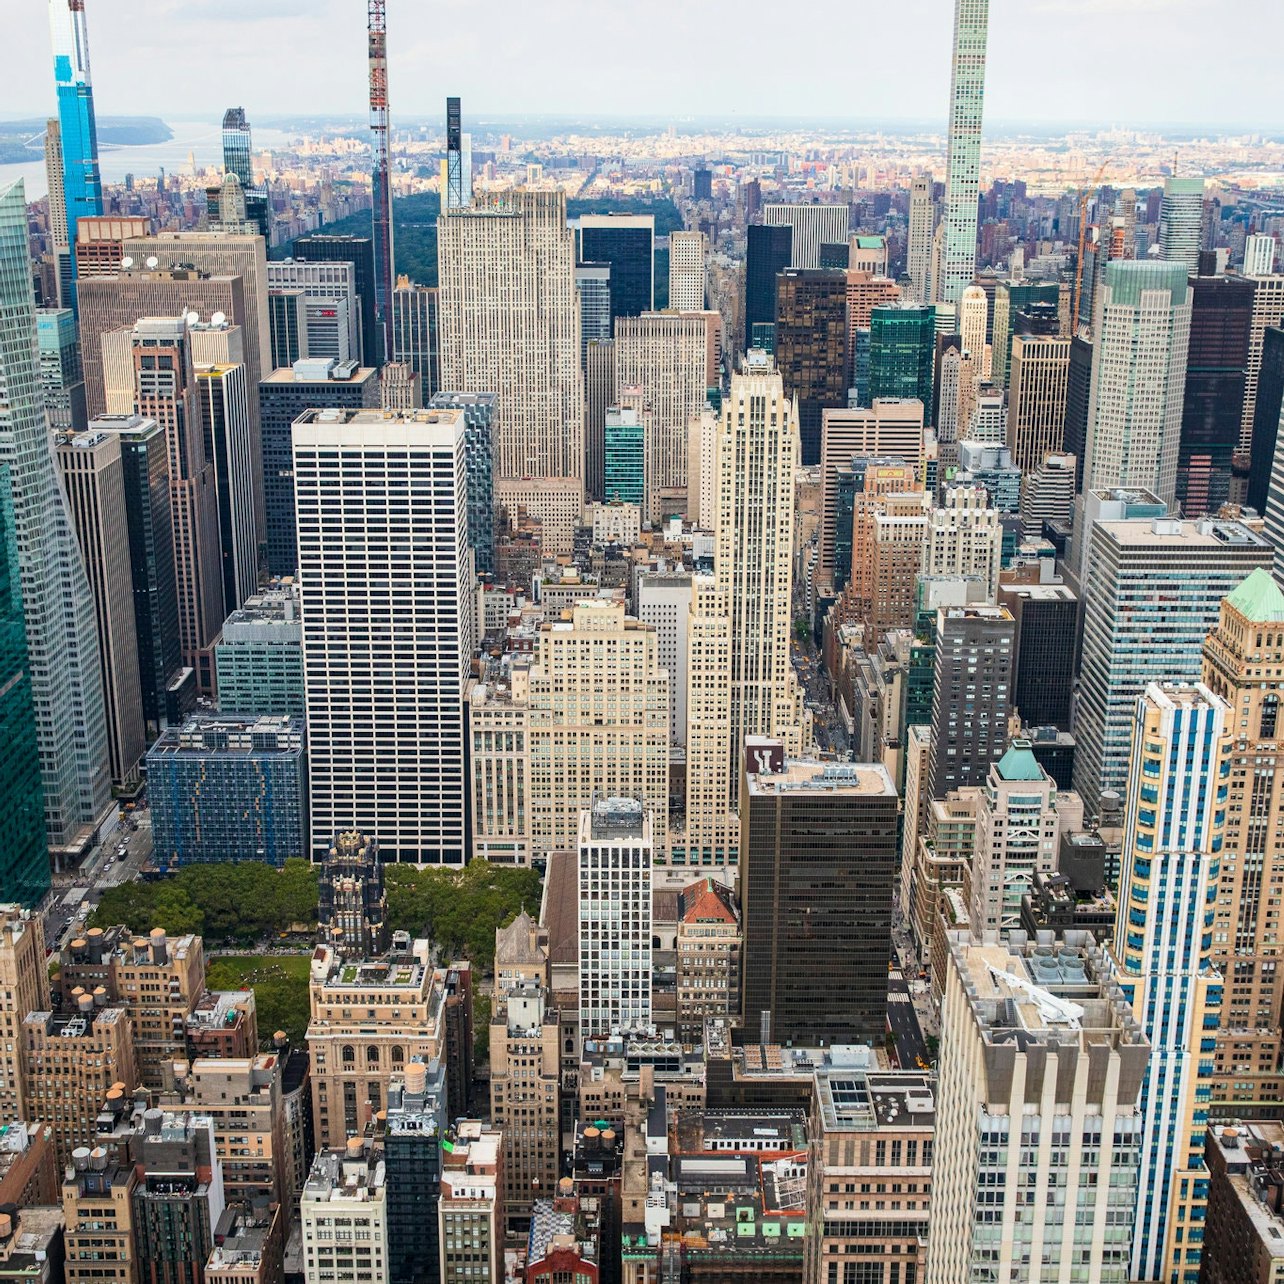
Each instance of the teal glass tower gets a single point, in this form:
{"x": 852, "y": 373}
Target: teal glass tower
{"x": 24, "y": 859}
{"x": 902, "y": 347}
{"x": 624, "y": 472}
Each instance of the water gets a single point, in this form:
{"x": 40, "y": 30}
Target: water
{"x": 203, "y": 138}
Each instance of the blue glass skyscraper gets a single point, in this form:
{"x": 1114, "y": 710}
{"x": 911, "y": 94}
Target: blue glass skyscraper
{"x": 81, "y": 181}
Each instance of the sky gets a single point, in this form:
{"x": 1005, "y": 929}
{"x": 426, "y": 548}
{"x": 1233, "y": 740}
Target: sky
{"x": 1116, "y": 62}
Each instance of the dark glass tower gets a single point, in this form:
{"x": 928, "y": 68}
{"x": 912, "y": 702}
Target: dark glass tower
{"x": 416, "y": 1125}
{"x": 902, "y": 351}
{"x": 626, "y": 242}
{"x": 359, "y": 251}
{"x": 24, "y": 859}
{"x": 1266, "y": 418}
{"x": 1045, "y": 617}
{"x": 1078, "y": 401}
{"x": 768, "y": 253}
{"x": 238, "y": 149}
{"x": 811, "y": 347}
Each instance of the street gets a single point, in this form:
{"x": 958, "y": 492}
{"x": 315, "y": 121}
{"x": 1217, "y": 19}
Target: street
{"x": 902, "y": 1021}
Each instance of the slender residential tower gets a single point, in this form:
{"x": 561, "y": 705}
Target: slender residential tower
{"x": 81, "y": 181}
{"x": 380, "y": 177}
{"x": 455, "y": 199}
{"x": 963, "y": 166}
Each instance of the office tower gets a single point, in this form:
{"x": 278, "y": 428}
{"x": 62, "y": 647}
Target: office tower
{"x": 81, "y": 181}
{"x": 412, "y": 1136}
{"x": 702, "y": 184}
{"x": 1172, "y": 858}
{"x": 369, "y": 752}
{"x": 811, "y": 347}
{"x": 258, "y": 660}
{"x": 1039, "y": 1053}
{"x": 688, "y": 255}
{"x": 499, "y": 769}
{"x": 415, "y": 333}
{"x": 973, "y": 322}
{"x": 1151, "y": 593}
{"x": 922, "y": 228}
{"x": 811, "y": 227}
{"x": 1011, "y": 300}
{"x": 1213, "y": 401}
{"x": 1078, "y": 402}
{"x": 1259, "y": 255}
{"x": 1181, "y": 218}
{"x": 315, "y": 311}
{"x": 902, "y": 347}
{"x": 971, "y": 694}
{"x": 283, "y": 396}
{"x": 593, "y": 281}
{"x": 57, "y": 604}
{"x": 863, "y": 488}
{"x": 818, "y": 859}
{"x": 599, "y": 393}
{"x": 1047, "y": 495}
{"x": 1267, "y": 437}
{"x": 70, "y": 1062}
{"x": 616, "y": 852}
{"x": 1138, "y": 373}
{"x": 1046, "y": 617}
{"x": 346, "y": 1186}
{"x": 965, "y": 537}
{"x": 963, "y": 164}
{"x": 710, "y": 944}
{"x": 768, "y": 252}
{"x": 99, "y": 1250}
{"x": 24, "y": 975}
{"x": 626, "y": 242}
{"x": 238, "y": 154}
{"x": 624, "y": 450}
{"x": 865, "y": 292}
{"x": 229, "y": 787}
{"x": 479, "y": 451}
{"x": 1239, "y": 656}
{"x": 866, "y": 1126}
{"x": 62, "y": 378}
{"x": 399, "y": 388}
{"x": 601, "y": 665}
{"x": 359, "y": 252}
{"x": 303, "y": 326}
{"x": 1037, "y": 398}
{"x": 353, "y": 906}
{"x": 510, "y": 325}
{"x": 664, "y": 604}
{"x": 1268, "y": 312}
{"x": 471, "y": 1212}
{"x": 145, "y": 472}
{"x": 93, "y": 478}
{"x": 671, "y": 357}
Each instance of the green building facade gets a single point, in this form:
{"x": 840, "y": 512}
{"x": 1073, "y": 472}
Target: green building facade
{"x": 902, "y": 352}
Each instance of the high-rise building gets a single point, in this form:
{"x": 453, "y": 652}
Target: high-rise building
{"x": 624, "y": 451}
{"x": 238, "y": 160}
{"x": 599, "y": 393}
{"x": 377, "y": 620}
{"x": 1268, "y": 311}
{"x": 971, "y": 694}
{"x": 1011, "y": 299}
{"x": 1181, "y": 218}
{"x": 62, "y": 377}
{"x": 347, "y": 1188}
{"x": 973, "y": 324}
{"x": 1047, "y": 495}
{"x": 1173, "y": 852}
{"x": 627, "y": 243}
{"x": 1259, "y": 255}
{"x": 1046, "y": 617}
{"x": 811, "y": 347}
{"x": 1037, "y": 398}
{"x": 818, "y": 861}
{"x": 283, "y": 396}
{"x": 416, "y": 329}
{"x": 510, "y": 325}
{"x": 320, "y": 247}
{"x": 768, "y": 252}
{"x": 93, "y": 477}
{"x": 259, "y": 657}
{"x": 902, "y": 350}
{"x": 1039, "y": 1055}
{"x": 710, "y": 944}
{"x": 57, "y": 603}
{"x": 811, "y": 227}
{"x": 315, "y": 311}
{"x": 593, "y": 281}
{"x": 24, "y": 975}
{"x": 1141, "y": 334}
{"x": 1267, "y": 415}
{"x": 664, "y": 604}
{"x": 479, "y": 451}
{"x": 412, "y": 1151}
{"x": 616, "y": 853}
{"x": 1213, "y": 401}
{"x": 1078, "y": 402}
{"x": 471, "y": 1210}
{"x": 1151, "y": 593}
{"x": 922, "y": 229}
{"x": 688, "y": 256}
{"x": 59, "y": 241}
{"x": 965, "y": 537}
{"x": 963, "y": 164}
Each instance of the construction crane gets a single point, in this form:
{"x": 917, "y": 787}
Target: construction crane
{"x": 380, "y": 179}
{"x": 1083, "y": 241}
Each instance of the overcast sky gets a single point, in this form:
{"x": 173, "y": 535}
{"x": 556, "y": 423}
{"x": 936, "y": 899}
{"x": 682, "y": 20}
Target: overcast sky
{"x": 1125, "y": 62}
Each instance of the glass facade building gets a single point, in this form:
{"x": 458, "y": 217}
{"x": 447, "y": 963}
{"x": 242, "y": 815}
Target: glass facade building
{"x": 902, "y": 352}
{"x": 479, "y": 449}
{"x": 768, "y": 251}
{"x": 259, "y": 658}
{"x": 624, "y": 470}
{"x": 626, "y": 242}
{"x": 62, "y": 377}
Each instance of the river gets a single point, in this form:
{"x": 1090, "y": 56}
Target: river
{"x": 204, "y": 139}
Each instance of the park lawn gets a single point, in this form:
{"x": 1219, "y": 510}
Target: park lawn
{"x": 280, "y": 985}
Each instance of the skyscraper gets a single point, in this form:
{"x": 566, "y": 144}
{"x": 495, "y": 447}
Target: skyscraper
{"x": 973, "y": 322}
{"x": 380, "y": 180}
{"x": 459, "y": 177}
{"x": 1268, "y": 313}
{"x": 479, "y": 452}
{"x": 902, "y": 349}
{"x": 1141, "y": 335}
{"x": 238, "y": 153}
{"x": 1181, "y": 219}
{"x": 688, "y": 255}
{"x": 624, "y": 448}
{"x": 382, "y": 618}
{"x": 1046, "y": 617}
{"x": 416, "y": 333}
{"x": 812, "y": 226}
{"x": 59, "y": 242}
{"x": 1037, "y": 398}
{"x": 627, "y": 243}
{"x": 61, "y": 374}
{"x": 922, "y": 228}
{"x": 510, "y": 325}
{"x": 315, "y": 311}
{"x": 321, "y": 247}
{"x": 768, "y": 251}
{"x": 66, "y": 671}
{"x": 81, "y": 182}
{"x": 1259, "y": 255}
{"x": 963, "y": 164}
{"x": 811, "y": 348}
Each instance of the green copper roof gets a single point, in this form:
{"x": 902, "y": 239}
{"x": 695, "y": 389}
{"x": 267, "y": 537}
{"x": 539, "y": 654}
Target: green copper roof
{"x": 1259, "y": 598}
{"x": 1019, "y": 763}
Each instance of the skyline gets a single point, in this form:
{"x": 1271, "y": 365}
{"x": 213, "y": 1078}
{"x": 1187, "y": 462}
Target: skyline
{"x": 1096, "y": 80}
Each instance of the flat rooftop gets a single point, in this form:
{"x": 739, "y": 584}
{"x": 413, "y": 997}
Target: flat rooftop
{"x": 1169, "y": 532}
{"x": 867, "y": 1100}
{"x": 842, "y": 778}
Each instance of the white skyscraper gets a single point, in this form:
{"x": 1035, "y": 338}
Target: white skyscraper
{"x": 922, "y": 227}
{"x": 386, "y": 573}
{"x": 62, "y": 641}
{"x": 813, "y": 226}
{"x": 974, "y": 313}
{"x": 1259, "y": 255}
{"x": 510, "y": 324}
{"x": 688, "y": 254}
{"x": 615, "y": 857}
{"x": 963, "y": 166}
{"x": 1181, "y": 215}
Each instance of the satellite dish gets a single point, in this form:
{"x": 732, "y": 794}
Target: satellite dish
{"x": 153, "y": 262}
{"x": 218, "y": 319}
{"x": 127, "y": 262}
{"x": 193, "y": 318}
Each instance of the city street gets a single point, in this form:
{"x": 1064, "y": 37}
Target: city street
{"x": 902, "y": 1019}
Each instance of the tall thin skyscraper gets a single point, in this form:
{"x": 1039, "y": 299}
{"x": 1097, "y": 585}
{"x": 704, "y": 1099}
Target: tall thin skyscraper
{"x": 922, "y": 227}
{"x": 59, "y": 243}
{"x": 380, "y": 179}
{"x": 81, "y": 181}
{"x": 963, "y": 166}
{"x": 66, "y": 672}
{"x": 459, "y": 186}
{"x": 382, "y": 618}
{"x": 238, "y": 152}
